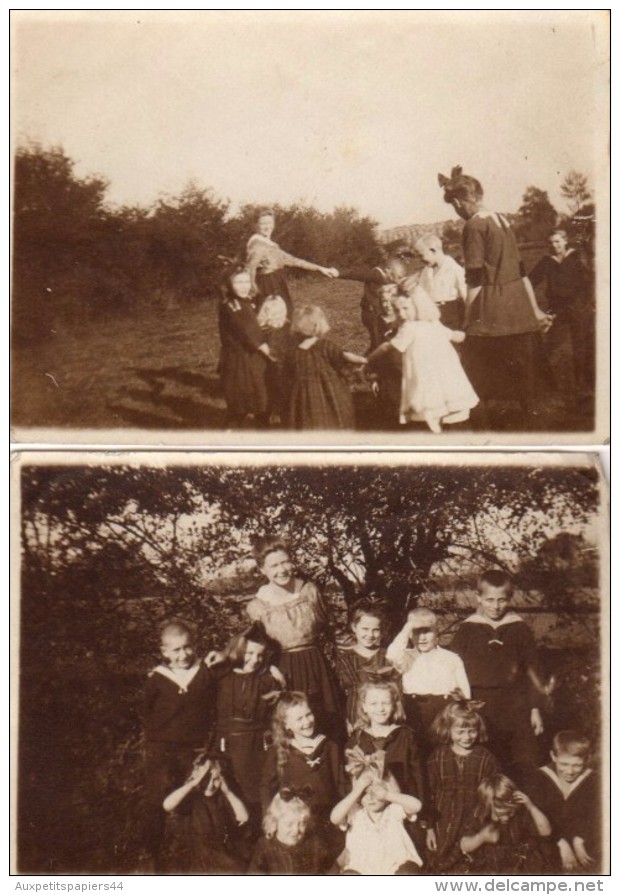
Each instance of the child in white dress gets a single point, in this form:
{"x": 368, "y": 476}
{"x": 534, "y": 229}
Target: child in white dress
{"x": 373, "y": 814}
{"x": 435, "y": 388}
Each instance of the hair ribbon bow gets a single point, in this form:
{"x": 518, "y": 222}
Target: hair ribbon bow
{"x": 359, "y": 761}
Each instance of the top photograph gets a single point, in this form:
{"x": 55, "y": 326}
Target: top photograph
{"x": 310, "y": 227}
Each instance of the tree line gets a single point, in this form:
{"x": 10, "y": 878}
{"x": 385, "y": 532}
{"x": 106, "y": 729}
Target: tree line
{"x": 109, "y": 552}
{"x": 76, "y": 257}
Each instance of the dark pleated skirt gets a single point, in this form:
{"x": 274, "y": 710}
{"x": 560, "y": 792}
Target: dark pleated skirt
{"x": 274, "y": 283}
{"x": 306, "y": 670}
{"x": 501, "y": 367}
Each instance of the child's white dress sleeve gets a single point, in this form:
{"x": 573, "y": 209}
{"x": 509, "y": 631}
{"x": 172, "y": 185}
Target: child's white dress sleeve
{"x": 404, "y": 337}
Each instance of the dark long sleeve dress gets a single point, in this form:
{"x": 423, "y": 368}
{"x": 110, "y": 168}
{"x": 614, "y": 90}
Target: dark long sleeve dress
{"x": 319, "y": 396}
{"x": 453, "y": 782}
{"x": 243, "y": 367}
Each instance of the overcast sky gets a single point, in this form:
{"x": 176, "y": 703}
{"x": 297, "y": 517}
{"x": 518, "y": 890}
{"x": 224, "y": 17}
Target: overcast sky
{"x": 331, "y": 108}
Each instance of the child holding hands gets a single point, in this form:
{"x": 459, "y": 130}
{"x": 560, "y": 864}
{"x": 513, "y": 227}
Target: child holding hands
{"x": 443, "y": 279}
{"x": 319, "y": 396}
{"x": 506, "y": 830}
{"x": 373, "y": 814}
{"x": 434, "y": 387}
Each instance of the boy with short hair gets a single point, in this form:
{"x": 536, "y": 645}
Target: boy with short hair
{"x": 501, "y": 662}
{"x": 443, "y": 279}
{"x": 177, "y": 716}
{"x": 567, "y": 791}
{"x": 431, "y": 675}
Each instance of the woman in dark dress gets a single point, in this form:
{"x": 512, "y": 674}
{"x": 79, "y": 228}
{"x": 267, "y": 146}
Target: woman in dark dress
{"x": 245, "y": 353}
{"x": 502, "y": 316}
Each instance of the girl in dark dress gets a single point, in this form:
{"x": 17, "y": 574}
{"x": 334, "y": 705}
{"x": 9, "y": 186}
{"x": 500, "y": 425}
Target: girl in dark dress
{"x": 455, "y": 770}
{"x": 379, "y": 727}
{"x": 214, "y": 814}
{"x": 275, "y": 326}
{"x": 301, "y": 759}
{"x": 506, "y": 831}
{"x": 289, "y": 847}
{"x": 245, "y": 353}
{"x": 502, "y": 316}
{"x": 365, "y": 659}
{"x": 319, "y": 396}
{"x": 245, "y": 694}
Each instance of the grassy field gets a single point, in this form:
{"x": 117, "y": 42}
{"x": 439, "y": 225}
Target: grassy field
{"x": 158, "y": 370}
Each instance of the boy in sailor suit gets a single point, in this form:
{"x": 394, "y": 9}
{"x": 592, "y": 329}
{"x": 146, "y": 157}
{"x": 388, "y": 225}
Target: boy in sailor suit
{"x": 501, "y": 662}
{"x": 177, "y": 710}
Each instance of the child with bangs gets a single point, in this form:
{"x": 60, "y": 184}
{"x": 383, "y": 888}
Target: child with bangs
{"x": 289, "y": 847}
{"x": 379, "y": 727}
{"x": 455, "y": 770}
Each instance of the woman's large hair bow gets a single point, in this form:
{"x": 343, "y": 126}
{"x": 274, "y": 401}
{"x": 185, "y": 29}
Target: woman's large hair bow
{"x": 359, "y": 761}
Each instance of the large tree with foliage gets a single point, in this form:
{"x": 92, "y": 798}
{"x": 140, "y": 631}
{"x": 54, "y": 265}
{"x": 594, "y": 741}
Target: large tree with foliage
{"x": 574, "y": 188}
{"x": 536, "y": 216}
{"x": 110, "y": 551}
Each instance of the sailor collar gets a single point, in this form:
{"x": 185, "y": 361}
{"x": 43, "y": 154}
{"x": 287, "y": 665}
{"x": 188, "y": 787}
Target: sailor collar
{"x": 182, "y": 680}
{"x": 567, "y": 789}
{"x": 479, "y": 619}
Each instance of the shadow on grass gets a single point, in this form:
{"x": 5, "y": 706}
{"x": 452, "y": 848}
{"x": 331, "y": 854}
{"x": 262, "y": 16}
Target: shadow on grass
{"x": 171, "y": 400}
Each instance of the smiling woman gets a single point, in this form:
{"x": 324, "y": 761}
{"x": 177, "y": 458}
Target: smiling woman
{"x": 293, "y": 614}
{"x": 266, "y": 261}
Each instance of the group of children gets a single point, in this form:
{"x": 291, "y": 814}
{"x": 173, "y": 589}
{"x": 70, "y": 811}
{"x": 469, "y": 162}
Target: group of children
{"x": 405, "y": 760}
{"x": 272, "y": 366}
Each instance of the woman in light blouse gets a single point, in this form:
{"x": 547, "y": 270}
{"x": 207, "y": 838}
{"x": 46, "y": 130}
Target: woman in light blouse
{"x": 266, "y": 262}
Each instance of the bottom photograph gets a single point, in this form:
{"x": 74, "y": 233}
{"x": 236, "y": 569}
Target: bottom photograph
{"x": 339, "y": 663}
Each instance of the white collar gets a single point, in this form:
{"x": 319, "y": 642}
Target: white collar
{"x": 181, "y": 678}
{"x": 567, "y": 789}
{"x": 308, "y": 750}
{"x": 508, "y": 619}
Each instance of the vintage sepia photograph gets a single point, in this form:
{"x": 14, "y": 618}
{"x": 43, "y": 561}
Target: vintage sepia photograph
{"x": 333, "y": 663}
{"x": 348, "y": 227}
